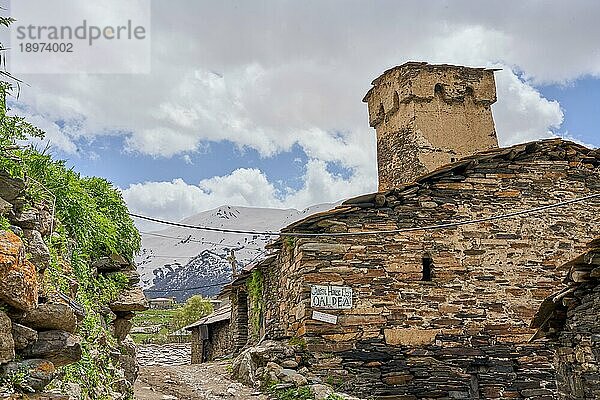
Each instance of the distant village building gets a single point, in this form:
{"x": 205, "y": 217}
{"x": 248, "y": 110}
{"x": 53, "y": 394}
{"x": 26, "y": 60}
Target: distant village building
{"x": 162, "y": 303}
{"x": 436, "y": 313}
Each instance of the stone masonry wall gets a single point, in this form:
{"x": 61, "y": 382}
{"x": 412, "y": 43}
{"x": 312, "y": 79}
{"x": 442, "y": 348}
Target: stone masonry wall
{"x": 578, "y": 353}
{"x": 488, "y": 279}
{"x": 219, "y": 342}
{"x": 427, "y": 116}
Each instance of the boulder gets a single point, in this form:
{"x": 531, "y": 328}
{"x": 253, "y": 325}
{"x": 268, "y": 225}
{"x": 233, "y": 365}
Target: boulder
{"x": 10, "y": 188}
{"x": 59, "y": 347}
{"x": 107, "y": 264}
{"x": 291, "y": 364}
{"x": 37, "y": 249}
{"x": 37, "y": 373}
{"x": 28, "y": 219}
{"x": 51, "y": 316}
{"x": 23, "y": 336}
{"x": 249, "y": 364}
{"x": 131, "y": 299}
{"x": 7, "y": 344}
{"x": 291, "y": 376}
{"x": 33, "y": 218}
{"x": 320, "y": 391}
{"x": 121, "y": 328}
{"x": 18, "y": 277}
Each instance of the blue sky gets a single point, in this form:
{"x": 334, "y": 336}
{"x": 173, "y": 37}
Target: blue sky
{"x": 580, "y": 101}
{"x": 260, "y": 104}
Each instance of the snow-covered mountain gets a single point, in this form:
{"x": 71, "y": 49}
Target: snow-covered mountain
{"x": 181, "y": 262}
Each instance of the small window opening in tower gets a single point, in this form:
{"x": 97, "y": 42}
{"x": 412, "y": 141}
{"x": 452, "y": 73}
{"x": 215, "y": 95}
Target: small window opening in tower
{"x": 438, "y": 89}
{"x": 427, "y": 266}
{"x": 469, "y": 91}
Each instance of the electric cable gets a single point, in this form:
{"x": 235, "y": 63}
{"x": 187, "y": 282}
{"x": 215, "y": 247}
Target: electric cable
{"x": 376, "y": 232}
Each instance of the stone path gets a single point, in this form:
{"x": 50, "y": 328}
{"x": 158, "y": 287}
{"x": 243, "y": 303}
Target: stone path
{"x": 209, "y": 381}
{"x": 170, "y": 354}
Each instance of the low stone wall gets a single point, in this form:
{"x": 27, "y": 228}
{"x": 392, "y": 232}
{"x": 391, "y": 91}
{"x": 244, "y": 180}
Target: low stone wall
{"x": 164, "y": 354}
{"x": 455, "y": 367}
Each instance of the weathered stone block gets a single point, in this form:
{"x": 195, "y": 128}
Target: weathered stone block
{"x": 131, "y": 299}
{"x": 410, "y": 336}
{"x": 18, "y": 276}
{"x": 59, "y": 347}
{"x": 51, "y": 316}
{"x": 23, "y": 336}
{"x": 37, "y": 373}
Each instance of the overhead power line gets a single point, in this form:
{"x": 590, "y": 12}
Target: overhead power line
{"x": 189, "y": 239}
{"x": 185, "y": 289}
{"x": 375, "y": 232}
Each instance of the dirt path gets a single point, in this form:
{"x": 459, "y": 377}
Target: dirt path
{"x": 186, "y": 382}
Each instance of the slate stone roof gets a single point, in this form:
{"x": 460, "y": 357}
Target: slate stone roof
{"x": 543, "y": 150}
{"x": 222, "y": 314}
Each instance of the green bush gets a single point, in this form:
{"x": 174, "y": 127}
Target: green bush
{"x": 194, "y": 308}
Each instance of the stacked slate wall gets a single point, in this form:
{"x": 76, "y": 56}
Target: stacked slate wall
{"x": 578, "y": 353}
{"x": 468, "y": 326}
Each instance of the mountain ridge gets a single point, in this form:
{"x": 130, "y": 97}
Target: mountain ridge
{"x": 180, "y": 262}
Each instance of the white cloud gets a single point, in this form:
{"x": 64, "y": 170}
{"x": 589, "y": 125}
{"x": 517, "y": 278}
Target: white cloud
{"x": 243, "y": 187}
{"x": 521, "y": 113}
{"x": 269, "y": 75}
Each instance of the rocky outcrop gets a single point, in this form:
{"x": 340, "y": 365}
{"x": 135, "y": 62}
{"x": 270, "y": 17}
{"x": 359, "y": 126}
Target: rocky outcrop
{"x": 280, "y": 366}
{"x": 38, "y": 327}
{"x": 18, "y": 278}
{"x": 59, "y": 347}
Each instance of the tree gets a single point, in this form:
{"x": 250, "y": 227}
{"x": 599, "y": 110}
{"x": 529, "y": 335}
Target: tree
{"x": 194, "y": 308}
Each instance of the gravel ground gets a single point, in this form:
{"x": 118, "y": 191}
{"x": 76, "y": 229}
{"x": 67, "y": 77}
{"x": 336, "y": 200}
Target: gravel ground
{"x": 182, "y": 382}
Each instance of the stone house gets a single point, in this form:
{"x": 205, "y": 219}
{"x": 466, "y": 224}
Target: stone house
{"x": 442, "y": 312}
{"x": 211, "y": 336}
{"x": 162, "y": 303}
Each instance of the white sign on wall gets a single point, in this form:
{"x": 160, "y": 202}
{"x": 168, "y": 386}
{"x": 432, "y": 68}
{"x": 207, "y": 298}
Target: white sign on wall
{"x": 334, "y": 297}
{"x": 320, "y": 316}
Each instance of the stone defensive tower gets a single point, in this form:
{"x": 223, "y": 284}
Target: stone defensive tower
{"x": 427, "y": 116}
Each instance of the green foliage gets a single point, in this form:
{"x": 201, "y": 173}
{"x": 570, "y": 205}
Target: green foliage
{"x": 296, "y": 341}
{"x": 301, "y": 393}
{"x": 194, "y": 308}
{"x": 95, "y": 371}
{"x": 15, "y": 382}
{"x": 289, "y": 242}
{"x": 4, "y": 223}
{"x": 162, "y": 318}
{"x": 255, "y": 301}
